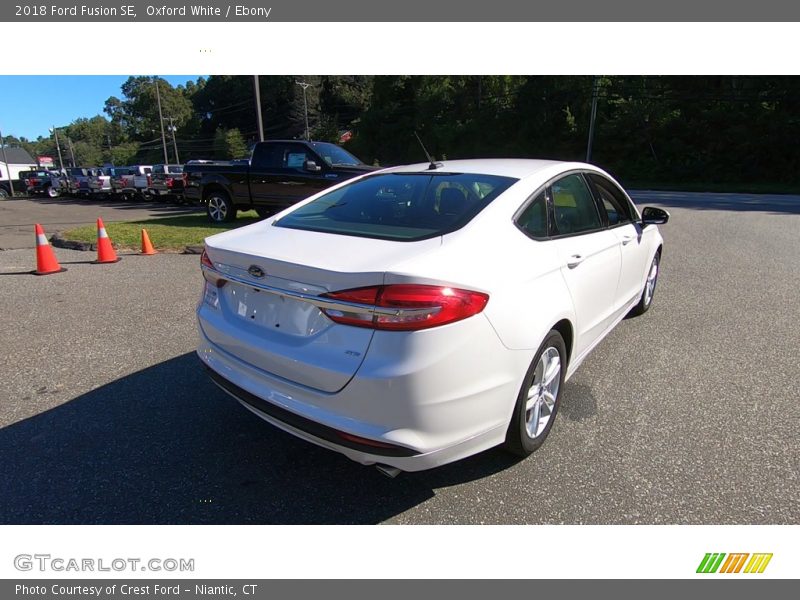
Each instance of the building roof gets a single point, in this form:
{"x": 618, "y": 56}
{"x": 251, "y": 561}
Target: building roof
{"x": 17, "y": 156}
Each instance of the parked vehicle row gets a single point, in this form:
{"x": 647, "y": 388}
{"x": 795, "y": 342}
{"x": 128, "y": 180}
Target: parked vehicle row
{"x": 136, "y": 182}
{"x": 278, "y": 174}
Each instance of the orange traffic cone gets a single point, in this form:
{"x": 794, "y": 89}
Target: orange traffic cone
{"x": 147, "y": 247}
{"x": 105, "y": 251}
{"x": 46, "y": 262}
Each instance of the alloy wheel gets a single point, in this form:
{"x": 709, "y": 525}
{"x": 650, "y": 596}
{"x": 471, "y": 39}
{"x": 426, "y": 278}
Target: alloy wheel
{"x": 217, "y": 208}
{"x": 650, "y": 286}
{"x": 543, "y": 392}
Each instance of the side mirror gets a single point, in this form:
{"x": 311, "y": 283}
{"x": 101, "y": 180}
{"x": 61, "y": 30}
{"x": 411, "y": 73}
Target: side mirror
{"x": 654, "y": 216}
{"x": 311, "y": 166}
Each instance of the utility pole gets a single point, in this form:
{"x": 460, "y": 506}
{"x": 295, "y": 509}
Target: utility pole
{"x": 58, "y": 146}
{"x": 8, "y": 169}
{"x": 161, "y": 122}
{"x": 172, "y": 129}
{"x": 71, "y": 150}
{"x": 110, "y": 156}
{"x": 258, "y": 109}
{"x": 305, "y": 86}
{"x": 595, "y": 90}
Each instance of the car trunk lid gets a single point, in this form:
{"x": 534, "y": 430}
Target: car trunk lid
{"x": 263, "y": 314}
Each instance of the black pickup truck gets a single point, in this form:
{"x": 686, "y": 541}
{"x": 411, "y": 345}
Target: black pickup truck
{"x": 278, "y": 174}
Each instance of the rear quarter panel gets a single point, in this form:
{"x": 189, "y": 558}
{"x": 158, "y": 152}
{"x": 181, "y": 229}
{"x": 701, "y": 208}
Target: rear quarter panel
{"x": 527, "y": 293}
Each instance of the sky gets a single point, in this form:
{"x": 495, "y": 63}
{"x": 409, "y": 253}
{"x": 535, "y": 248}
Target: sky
{"x": 31, "y": 104}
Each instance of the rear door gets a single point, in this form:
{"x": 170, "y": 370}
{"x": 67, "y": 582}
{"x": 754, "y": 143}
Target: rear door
{"x": 589, "y": 255}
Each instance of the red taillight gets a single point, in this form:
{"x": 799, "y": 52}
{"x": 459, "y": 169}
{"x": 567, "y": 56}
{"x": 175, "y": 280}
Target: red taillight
{"x": 212, "y": 276}
{"x": 205, "y": 261}
{"x": 185, "y": 178}
{"x": 169, "y": 182}
{"x": 410, "y": 307}
{"x": 33, "y": 181}
{"x": 149, "y": 181}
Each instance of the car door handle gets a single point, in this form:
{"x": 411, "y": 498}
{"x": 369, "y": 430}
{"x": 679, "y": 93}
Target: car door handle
{"x": 575, "y": 260}
{"x": 627, "y": 239}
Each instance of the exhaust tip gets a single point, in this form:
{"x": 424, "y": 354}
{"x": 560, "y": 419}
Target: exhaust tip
{"x": 390, "y": 472}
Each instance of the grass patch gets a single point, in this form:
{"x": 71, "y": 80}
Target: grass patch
{"x": 166, "y": 233}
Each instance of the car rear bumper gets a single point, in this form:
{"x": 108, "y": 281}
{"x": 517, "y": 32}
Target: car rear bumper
{"x": 411, "y": 419}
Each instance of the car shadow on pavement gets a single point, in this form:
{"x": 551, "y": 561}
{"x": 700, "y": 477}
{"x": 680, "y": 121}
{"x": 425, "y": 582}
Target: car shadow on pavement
{"x": 166, "y": 446}
{"x": 768, "y": 203}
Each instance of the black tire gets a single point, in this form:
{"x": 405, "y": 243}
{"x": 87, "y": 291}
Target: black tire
{"x": 519, "y": 441}
{"x": 646, "y": 299}
{"x": 219, "y": 207}
{"x": 4, "y": 193}
{"x": 51, "y": 192}
{"x": 264, "y": 212}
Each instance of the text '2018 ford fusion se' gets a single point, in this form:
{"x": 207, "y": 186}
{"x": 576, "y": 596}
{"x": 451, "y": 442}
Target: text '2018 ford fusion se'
{"x": 420, "y": 314}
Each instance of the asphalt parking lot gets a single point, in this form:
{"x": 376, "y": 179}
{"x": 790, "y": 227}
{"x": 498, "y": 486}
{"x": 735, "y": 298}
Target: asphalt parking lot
{"x": 18, "y": 216}
{"x": 687, "y": 415}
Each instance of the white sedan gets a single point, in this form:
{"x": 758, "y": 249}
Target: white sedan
{"x": 421, "y": 314}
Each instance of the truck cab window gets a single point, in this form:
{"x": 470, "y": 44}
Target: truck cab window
{"x": 267, "y": 156}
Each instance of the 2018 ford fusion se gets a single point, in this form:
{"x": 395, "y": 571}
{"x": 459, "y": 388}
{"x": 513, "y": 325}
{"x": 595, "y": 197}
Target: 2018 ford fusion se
{"x": 420, "y": 314}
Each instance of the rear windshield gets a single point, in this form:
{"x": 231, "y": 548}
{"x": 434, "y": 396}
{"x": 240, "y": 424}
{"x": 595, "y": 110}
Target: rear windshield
{"x": 399, "y": 206}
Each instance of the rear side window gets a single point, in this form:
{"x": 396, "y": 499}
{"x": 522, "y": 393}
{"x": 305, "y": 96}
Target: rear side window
{"x": 574, "y": 207}
{"x": 268, "y": 156}
{"x": 399, "y": 206}
{"x": 533, "y": 220}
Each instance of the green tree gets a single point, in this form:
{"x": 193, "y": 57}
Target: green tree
{"x": 137, "y": 113}
{"x": 229, "y": 144}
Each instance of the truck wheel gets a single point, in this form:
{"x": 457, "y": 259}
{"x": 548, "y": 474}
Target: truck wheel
{"x": 52, "y": 192}
{"x": 3, "y": 193}
{"x": 219, "y": 208}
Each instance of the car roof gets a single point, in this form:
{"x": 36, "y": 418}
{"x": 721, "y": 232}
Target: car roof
{"x": 518, "y": 168}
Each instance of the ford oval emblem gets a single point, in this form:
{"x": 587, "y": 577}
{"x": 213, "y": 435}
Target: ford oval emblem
{"x": 256, "y": 271}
